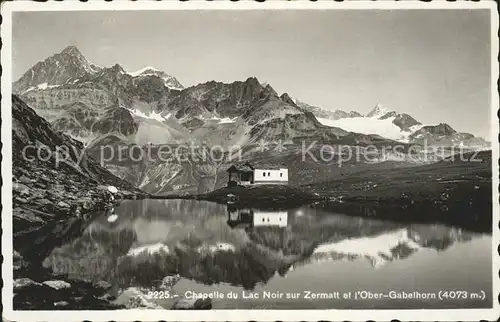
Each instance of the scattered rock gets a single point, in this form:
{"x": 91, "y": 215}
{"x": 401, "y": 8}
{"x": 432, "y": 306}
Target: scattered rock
{"x": 61, "y": 303}
{"x": 16, "y": 255}
{"x": 58, "y": 187}
{"x": 112, "y": 218}
{"x": 57, "y": 284}
{"x": 24, "y": 179}
{"x": 63, "y": 204}
{"x": 21, "y": 200}
{"x": 134, "y": 298}
{"x": 38, "y": 194}
{"x": 18, "y": 261}
{"x": 41, "y": 185}
{"x": 445, "y": 196}
{"x": 23, "y": 282}
{"x": 105, "y": 297}
{"x": 169, "y": 281}
{"x": 102, "y": 285}
{"x": 21, "y": 189}
{"x": 86, "y": 203}
{"x": 192, "y": 304}
{"x": 43, "y": 202}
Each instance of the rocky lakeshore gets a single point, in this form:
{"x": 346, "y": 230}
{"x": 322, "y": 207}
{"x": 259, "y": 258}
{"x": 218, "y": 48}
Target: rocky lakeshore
{"x": 262, "y": 196}
{"x": 53, "y": 203}
{"x": 44, "y": 219}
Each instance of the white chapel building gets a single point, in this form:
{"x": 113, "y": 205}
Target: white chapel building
{"x": 247, "y": 174}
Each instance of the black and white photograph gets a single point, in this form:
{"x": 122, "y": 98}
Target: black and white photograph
{"x": 250, "y": 161}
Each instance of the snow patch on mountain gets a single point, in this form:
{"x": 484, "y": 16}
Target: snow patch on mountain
{"x": 152, "y": 116}
{"x": 40, "y": 87}
{"x": 94, "y": 68}
{"x": 45, "y": 86}
{"x": 222, "y": 120}
{"x": 371, "y": 125}
{"x": 153, "y": 131}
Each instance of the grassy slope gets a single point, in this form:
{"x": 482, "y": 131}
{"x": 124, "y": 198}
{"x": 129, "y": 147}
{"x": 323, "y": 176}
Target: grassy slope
{"x": 419, "y": 182}
{"x": 455, "y": 192}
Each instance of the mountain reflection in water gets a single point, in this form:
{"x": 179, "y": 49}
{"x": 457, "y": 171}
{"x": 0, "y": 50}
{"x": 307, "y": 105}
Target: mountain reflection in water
{"x": 208, "y": 243}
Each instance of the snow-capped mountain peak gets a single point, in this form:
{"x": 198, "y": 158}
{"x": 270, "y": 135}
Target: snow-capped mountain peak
{"x": 56, "y": 70}
{"x": 170, "y": 81}
{"x": 396, "y": 126}
{"x": 72, "y": 50}
{"x": 377, "y": 111}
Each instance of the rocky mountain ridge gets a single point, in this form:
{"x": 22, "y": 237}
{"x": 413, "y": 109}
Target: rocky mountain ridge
{"x": 397, "y": 126}
{"x": 110, "y": 106}
{"x": 55, "y": 70}
{"x": 69, "y": 65}
{"x": 175, "y": 113}
{"x": 150, "y": 93}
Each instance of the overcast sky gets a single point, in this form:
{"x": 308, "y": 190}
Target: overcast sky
{"x": 433, "y": 64}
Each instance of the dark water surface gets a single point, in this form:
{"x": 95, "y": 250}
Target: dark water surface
{"x": 218, "y": 250}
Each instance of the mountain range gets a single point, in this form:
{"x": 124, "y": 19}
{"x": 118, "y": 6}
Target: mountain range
{"x": 110, "y": 106}
{"x": 400, "y": 127}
